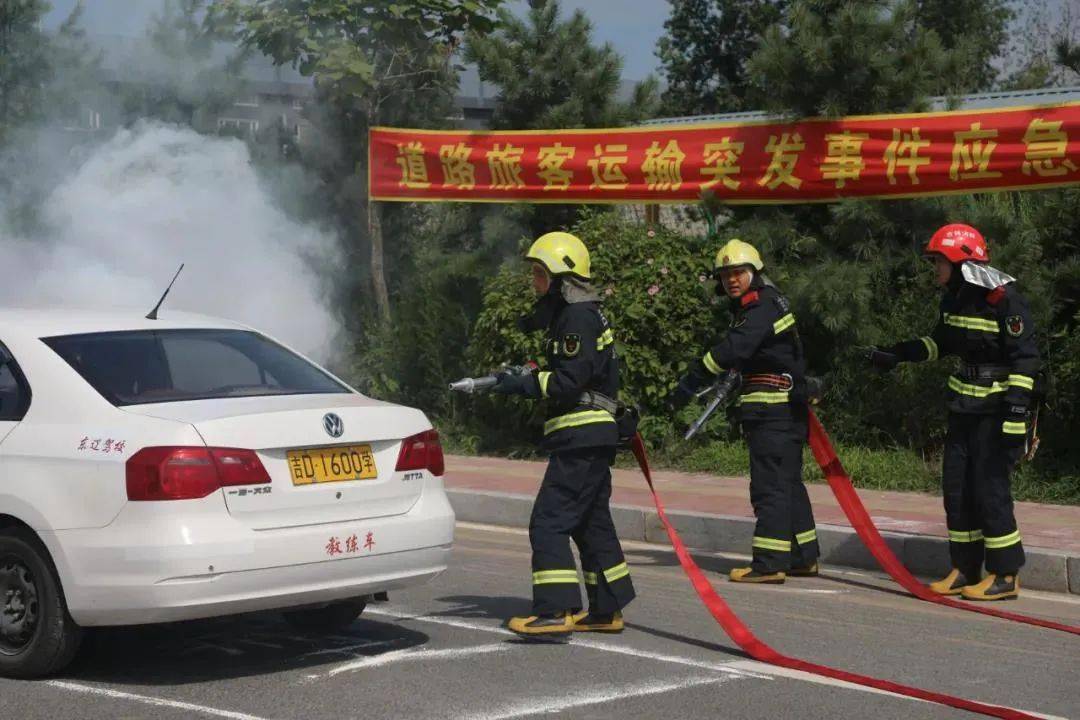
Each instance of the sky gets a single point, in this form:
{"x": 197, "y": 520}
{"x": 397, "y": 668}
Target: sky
{"x": 632, "y": 27}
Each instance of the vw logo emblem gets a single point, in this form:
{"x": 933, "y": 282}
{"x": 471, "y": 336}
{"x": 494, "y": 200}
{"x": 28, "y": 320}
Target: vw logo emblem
{"x": 333, "y": 425}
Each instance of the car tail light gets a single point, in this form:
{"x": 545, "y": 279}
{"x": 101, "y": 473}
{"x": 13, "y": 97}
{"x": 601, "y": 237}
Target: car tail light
{"x": 422, "y": 451}
{"x": 189, "y": 473}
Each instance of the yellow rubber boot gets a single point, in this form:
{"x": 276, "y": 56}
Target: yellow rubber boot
{"x": 952, "y": 583}
{"x": 994, "y": 587}
{"x": 596, "y": 622}
{"x": 750, "y": 575}
{"x": 559, "y": 625}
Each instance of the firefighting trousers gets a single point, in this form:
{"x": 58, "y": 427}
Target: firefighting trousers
{"x": 785, "y": 535}
{"x": 574, "y": 502}
{"x": 978, "y": 501}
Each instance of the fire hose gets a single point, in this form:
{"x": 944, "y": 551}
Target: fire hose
{"x": 864, "y": 526}
{"x": 741, "y": 634}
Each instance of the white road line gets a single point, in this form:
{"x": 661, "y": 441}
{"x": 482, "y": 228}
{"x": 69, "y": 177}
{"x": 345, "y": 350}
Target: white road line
{"x": 147, "y": 700}
{"x": 578, "y": 641}
{"x": 261, "y": 643}
{"x": 235, "y": 652}
{"x": 410, "y": 655}
{"x": 538, "y": 706}
{"x": 743, "y": 668}
{"x": 345, "y": 650}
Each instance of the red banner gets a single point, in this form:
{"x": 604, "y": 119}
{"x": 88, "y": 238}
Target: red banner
{"x": 813, "y": 160}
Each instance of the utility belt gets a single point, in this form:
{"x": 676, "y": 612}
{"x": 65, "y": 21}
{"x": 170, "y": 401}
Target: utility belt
{"x": 983, "y": 372}
{"x": 599, "y": 401}
{"x": 769, "y": 381}
{"x": 812, "y": 390}
{"x": 626, "y": 416}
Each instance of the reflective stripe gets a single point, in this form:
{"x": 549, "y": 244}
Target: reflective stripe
{"x": 1023, "y": 381}
{"x": 586, "y": 417}
{"x": 971, "y": 323}
{"x": 544, "y": 377}
{"x": 783, "y": 324}
{"x": 606, "y": 339}
{"x": 931, "y": 348}
{"x": 591, "y": 578}
{"x": 965, "y": 536}
{"x": 552, "y": 577}
{"x": 806, "y": 537}
{"x": 617, "y": 573}
{"x": 769, "y": 397}
{"x": 711, "y": 365}
{"x": 1003, "y": 541}
{"x": 1014, "y": 428}
{"x": 772, "y": 544}
{"x": 979, "y": 391}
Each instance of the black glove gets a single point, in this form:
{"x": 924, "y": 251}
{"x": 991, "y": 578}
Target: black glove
{"x": 681, "y": 396}
{"x": 510, "y": 383}
{"x": 881, "y": 359}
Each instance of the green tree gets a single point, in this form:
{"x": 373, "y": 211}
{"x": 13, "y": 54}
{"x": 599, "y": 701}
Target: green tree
{"x": 24, "y": 63}
{"x": 1067, "y": 54}
{"x": 974, "y": 32}
{"x": 551, "y": 73}
{"x": 704, "y": 51}
{"x": 185, "y": 77}
{"x": 362, "y": 56}
{"x": 76, "y": 79}
{"x": 836, "y": 57}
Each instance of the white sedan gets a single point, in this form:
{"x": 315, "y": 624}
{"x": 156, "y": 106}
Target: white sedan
{"x": 190, "y": 467}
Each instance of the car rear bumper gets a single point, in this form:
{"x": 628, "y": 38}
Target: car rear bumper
{"x": 152, "y": 566}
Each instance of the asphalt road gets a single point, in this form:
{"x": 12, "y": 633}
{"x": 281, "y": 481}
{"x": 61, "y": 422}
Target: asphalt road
{"x": 439, "y": 651}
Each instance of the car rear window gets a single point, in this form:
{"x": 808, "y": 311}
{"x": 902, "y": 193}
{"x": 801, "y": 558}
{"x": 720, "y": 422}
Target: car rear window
{"x": 156, "y": 366}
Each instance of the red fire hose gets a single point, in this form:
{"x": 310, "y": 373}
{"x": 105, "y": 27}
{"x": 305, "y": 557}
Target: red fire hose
{"x": 864, "y": 526}
{"x": 745, "y": 639}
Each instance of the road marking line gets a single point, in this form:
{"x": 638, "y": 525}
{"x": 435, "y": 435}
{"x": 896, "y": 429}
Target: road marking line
{"x": 578, "y": 641}
{"x": 199, "y": 647}
{"x": 345, "y": 650}
{"x": 411, "y": 655}
{"x": 147, "y": 700}
{"x": 261, "y": 643}
{"x": 737, "y": 668}
{"x": 593, "y": 697}
{"x": 821, "y": 680}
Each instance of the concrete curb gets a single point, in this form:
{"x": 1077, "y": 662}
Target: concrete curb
{"x": 1049, "y": 570}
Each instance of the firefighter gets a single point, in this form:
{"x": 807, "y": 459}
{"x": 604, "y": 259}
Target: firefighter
{"x": 763, "y": 344}
{"x": 985, "y": 321}
{"x": 580, "y": 384}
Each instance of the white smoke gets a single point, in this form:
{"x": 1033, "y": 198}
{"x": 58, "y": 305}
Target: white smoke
{"x": 155, "y": 196}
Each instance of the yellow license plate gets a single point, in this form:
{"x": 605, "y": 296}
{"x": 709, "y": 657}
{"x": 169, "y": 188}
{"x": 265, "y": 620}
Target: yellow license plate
{"x": 336, "y": 464}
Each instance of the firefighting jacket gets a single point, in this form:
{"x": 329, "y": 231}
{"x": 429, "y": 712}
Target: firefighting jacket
{"x": 580, "y": 356}
{"x": 992, "y": 333}
{"x": 761, "y": 341}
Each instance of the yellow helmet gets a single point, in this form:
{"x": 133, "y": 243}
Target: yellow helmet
{"x": 561, "y": 253}
{"x": 736, "y": 252}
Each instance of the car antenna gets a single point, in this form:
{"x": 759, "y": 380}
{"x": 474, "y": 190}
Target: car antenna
{"x": 152, "y": 315}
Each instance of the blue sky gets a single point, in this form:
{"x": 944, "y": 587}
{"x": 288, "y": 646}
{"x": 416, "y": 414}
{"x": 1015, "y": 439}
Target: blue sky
{"x": 631, "y": 26}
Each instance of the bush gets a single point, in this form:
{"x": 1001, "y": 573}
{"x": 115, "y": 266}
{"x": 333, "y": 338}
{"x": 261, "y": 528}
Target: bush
{"x": 656, "y": 295}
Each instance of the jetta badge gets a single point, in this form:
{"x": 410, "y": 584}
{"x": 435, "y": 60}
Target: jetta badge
{"x": 333, "y": 425}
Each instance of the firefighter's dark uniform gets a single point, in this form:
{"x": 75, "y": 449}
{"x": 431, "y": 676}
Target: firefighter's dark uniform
{"x": 581, "y": 436}
{"x": 988, "y": 398}
{"x": 763, "y": 344}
